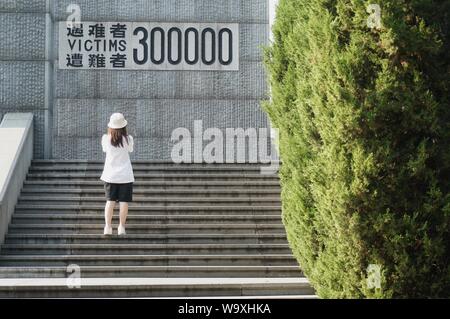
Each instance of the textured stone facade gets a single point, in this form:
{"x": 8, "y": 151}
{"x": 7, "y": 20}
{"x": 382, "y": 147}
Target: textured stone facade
{"x": 22, "y": 63}
{"x": 73, "y": 107}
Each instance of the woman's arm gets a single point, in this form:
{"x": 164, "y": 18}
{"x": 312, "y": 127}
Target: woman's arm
{"x": 130, "y": 143}
{"x": 104, "y": 141}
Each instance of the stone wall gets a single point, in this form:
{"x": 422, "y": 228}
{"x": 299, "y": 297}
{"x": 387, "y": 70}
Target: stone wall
{"x": 77, "y": 104}
{"x": 23, "y": 63}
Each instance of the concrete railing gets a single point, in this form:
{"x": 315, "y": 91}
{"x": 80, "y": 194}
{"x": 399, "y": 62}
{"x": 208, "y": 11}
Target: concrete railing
{"x": 16, "y": 153}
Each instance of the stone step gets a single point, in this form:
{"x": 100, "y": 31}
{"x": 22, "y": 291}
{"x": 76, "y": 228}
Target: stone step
{"x": 194, "y": 230}
{"x": 157, "y": 177}
{"x": 142, "y": 168}
{"x": 141, "y": 200}
{"x": 147, "y": 219}
{"x": 46, "y": 260}
{"x": 81, "y": 162}
{"x": 58, "y": 210}
{"x": 158, "y": 185}
{"x": 145, "y": 239}
{"x": 133, "y": 229}
{"x": 150, "y": 193}
{"x": 153, "y": 287}
{"x": 145, "y": 249}
{"x": 152, "y": 271}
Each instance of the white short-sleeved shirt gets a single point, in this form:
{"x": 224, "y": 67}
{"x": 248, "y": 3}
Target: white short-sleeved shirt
{"x": 117, "y": 167}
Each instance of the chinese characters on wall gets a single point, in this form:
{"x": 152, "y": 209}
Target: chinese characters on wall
{"x": 149, "y": 46}
{"x": 97, "y": 40}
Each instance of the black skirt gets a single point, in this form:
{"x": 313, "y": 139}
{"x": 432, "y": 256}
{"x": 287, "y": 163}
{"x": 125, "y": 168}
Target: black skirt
{"x": 119, "y": 192}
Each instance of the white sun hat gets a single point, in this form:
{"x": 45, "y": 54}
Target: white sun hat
{"x": 117, "y": 121}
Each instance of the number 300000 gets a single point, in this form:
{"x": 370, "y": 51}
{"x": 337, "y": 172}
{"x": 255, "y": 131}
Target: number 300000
{"x": 191, "y": 46}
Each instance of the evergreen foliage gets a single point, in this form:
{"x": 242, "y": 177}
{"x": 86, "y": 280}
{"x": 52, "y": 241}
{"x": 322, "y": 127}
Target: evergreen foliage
{"x": 364, "y": 120}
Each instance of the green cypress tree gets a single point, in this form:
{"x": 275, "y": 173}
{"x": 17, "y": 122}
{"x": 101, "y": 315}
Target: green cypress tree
{"x": 364, "y": 119}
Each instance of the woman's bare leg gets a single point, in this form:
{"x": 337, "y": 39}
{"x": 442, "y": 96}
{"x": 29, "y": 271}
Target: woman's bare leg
{"x": 109, "y": 210}
{"x": 123, "y": 213}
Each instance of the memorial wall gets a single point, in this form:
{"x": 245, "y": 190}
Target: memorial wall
{"x": 164, "y": 64}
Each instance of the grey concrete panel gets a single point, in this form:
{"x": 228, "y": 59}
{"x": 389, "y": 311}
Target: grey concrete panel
{"x": 114, "y": 84}
{"x": 249, "y": 115}
{"x": 22, "y": 5}
{"x": 90, "y": 148}
{"x": 38, "y": 126}
{"x": 22, "y": 36}
{"x": 22, "y": 84}
{"x": 254, "y": 11}
{"x": 253, "y": 38}
{"x": 248, "y": 83}
{"x": 88, "y": 118}
{"x": 77, "y": 148}
{"x": 160, "y": 117}
{"x": 154, "y": 118}
{"x": 145, "y": 148}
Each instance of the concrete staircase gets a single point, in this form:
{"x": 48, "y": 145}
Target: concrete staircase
{"x": 193, "y": 230}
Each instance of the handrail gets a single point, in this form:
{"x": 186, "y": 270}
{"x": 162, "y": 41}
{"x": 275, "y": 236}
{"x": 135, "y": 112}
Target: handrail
{"x": 16, "y": 140}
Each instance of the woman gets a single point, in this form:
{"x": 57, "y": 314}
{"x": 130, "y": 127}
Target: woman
{"x": 117, "y": 172}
